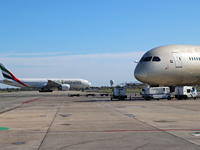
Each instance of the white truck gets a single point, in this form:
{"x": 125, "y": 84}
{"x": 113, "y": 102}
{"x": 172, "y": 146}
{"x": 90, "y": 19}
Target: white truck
{"x": 156, "y": 93}
{"x": 118, "y": 93}
{"x": 184, "y": 92}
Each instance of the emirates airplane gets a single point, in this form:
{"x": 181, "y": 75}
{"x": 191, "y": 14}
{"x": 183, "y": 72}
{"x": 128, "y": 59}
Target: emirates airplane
{"x": 45, "y": 85}
{"x": 170, "y": 65}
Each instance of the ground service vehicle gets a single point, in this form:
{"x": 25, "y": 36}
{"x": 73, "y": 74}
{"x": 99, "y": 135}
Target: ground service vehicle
{"x": 118, "y": 93}
{"x": 156, "y": 93}
{"x": 184, "y": 92}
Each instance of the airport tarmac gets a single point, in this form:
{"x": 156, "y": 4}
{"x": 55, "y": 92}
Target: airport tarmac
{"x": 54, "y": 121}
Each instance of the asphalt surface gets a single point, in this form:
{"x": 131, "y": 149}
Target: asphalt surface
{"x": 54, "y": 121}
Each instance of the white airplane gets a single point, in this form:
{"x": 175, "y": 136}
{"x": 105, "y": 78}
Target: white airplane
{"x": 46, "y": 85}
{"x": 170, "y": 65}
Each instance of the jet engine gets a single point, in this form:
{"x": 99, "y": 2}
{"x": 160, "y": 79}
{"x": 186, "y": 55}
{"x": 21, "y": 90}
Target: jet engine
{"x": 64, "y": 87}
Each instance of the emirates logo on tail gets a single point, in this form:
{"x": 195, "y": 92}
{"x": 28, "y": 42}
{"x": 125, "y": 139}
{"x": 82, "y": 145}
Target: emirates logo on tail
{"x": 5, "y": 72}
{"x": 8, "y": 75}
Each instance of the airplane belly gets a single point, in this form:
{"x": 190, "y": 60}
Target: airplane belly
{"x": 180, "y": 76}
{"x": 36, "y": 84}
{"x": 191, "y": 76}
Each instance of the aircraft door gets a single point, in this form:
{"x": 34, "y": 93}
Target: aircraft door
{"x": 177, "y": 58}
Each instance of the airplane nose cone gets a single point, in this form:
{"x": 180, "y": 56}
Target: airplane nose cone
{"x": 140, "y": 73}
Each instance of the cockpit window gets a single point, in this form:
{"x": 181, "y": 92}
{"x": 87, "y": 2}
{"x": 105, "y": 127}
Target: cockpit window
{"x": 141, "y": 60}
{"x": 147, "y": 59}
{"x": 155, "y": 58}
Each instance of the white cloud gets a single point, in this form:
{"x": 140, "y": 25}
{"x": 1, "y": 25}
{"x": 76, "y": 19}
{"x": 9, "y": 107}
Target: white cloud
{"x": 97, "y": 68}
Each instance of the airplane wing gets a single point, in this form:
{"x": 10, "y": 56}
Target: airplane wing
{"x": 51, "y": 84}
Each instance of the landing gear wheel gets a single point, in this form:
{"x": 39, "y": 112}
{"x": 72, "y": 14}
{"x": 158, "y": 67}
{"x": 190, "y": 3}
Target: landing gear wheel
{"x": 169, "y": 98}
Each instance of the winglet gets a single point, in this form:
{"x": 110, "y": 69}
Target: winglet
{"x": 8, "y": 75}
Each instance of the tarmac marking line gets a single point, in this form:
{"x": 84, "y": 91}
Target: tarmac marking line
{"x": 48, "y": 130}
{"x": 31, "y": 100}
{"x": 157, "y": 130}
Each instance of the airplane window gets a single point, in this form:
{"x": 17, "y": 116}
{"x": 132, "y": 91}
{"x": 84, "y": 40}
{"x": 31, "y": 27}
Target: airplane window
{"x": 155, "y": 58}
{"x": 147, "y": 58}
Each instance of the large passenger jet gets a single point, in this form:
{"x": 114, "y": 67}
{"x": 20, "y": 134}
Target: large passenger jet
{"x": 170, "y": 65}
{"x": 45, "y": 85}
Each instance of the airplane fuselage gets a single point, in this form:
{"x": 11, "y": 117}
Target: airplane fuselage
{"x": 40, "y": 83}
{"x": 170, "y": 65}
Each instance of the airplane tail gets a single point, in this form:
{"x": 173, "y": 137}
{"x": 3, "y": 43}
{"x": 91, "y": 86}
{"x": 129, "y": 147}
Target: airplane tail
{"x": 8, "y": 75}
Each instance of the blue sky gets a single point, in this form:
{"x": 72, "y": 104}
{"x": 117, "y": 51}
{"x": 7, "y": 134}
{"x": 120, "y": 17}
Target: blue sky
{"x": 97, "y": 40}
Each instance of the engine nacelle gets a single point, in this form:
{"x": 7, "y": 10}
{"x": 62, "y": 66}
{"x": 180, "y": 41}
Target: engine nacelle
{"x": 64, "y": 87}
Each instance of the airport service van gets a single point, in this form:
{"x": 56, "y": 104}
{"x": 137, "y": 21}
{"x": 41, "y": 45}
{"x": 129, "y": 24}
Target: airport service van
{"x": 156, "y": 93}
{"x": 184, "y": 92}
{"x": 118, "y": 93}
